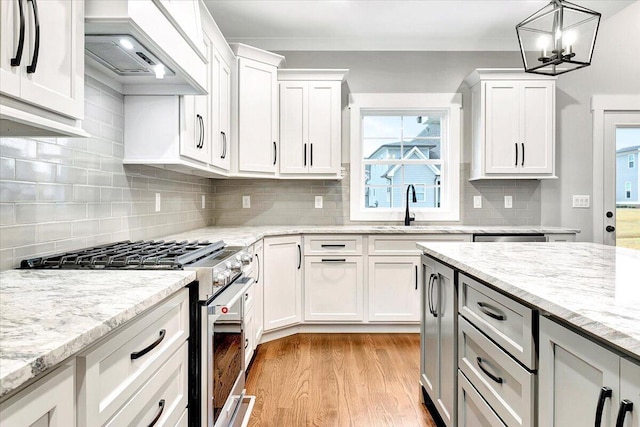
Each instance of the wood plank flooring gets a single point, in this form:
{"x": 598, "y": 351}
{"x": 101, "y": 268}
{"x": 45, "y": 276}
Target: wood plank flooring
{"x": 336, "y": 380}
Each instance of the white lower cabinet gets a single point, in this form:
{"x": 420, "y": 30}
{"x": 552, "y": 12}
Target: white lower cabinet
{"x": 394, "y": 288}
{"x": 582, "y": 383}
{"x": 438, "y": 340}
{"x": 50, "y": 402}
{"x": 333, "y": 288}
{"x": 282, "y": 281}
{"x": 473, "y": 411}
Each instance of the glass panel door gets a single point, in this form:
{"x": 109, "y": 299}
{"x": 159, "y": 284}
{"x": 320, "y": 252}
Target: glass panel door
{"x": 627, "y": 215}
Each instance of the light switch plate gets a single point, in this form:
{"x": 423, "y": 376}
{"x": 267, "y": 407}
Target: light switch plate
{"x": 508, "y": 202}
{"x": 581, "y": 201}
{"x": 477, "y": 202}
{"x": 246, "y": 202}
{"x": 157, "y": 202}
{"x": 318, "y": 202}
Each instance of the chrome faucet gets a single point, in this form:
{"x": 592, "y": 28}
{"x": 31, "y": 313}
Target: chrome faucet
{"x": 407, "y": 218}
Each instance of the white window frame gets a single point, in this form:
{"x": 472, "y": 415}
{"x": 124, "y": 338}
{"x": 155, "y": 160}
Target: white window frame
{"x": 404, "y": 103}
{"x": 627, "y": 190}
{"x": 631, "y": 161}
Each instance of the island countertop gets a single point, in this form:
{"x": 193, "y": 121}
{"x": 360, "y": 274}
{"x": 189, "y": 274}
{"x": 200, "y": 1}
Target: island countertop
{"x": 47, "y": 316}
{"x": 595, "y": 288}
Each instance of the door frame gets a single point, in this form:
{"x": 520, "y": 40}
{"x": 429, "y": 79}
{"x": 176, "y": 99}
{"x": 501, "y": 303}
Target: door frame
{"x": 600, "y": 105}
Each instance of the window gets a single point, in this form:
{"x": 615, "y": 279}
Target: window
{"x": 399, "y": 140}
{"x": 627, "y": 190}
{"x": 631, "y": 161}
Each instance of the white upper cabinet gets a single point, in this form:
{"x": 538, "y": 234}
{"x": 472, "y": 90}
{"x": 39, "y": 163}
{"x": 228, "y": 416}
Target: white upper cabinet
{"x": 513, "y": 125}
{"x": 257, "y": 103}
{"x": 220, "y": 112}
{"x": 310, "y": 122}
{"x": 41, "y": 67}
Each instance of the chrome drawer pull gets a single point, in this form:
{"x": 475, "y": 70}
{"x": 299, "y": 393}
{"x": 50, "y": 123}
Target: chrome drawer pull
{"x": 484, "y": 308}
{"x": 499, "y": 380}
{"x": 159, "y": 414}
{"x": 138, "y": 354}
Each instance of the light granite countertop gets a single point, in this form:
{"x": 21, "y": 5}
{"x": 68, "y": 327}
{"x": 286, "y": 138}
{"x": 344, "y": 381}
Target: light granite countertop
{"x": 589, "y": 286}
{"x": 245, "y": 236}
{"x": 46, "y": 316}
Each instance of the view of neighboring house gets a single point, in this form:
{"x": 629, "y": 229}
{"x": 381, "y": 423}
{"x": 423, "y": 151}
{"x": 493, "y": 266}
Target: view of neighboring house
{"x": 627, "y": 176}
{"x": 387, "y": 184}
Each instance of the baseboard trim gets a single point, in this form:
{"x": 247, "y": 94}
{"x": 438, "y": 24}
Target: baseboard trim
{"x": 338, "y": 329}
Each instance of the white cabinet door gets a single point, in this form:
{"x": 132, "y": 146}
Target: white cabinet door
{"x": 333, "y": 288}
{"x": 294, "y": 127}
{"x": 282, "y": 281}
{"x": 429, "y": 331}
{"x": 10, "y": 75}
{"x": 57, "y": 83}
{"x": 394, "y": 288}
{"x": 258, "y": 286}
{"x": 630, "y": 393}
{"x": 536, "y": 127}
{"x": 502, "y": 123}
{"x": 49, "y": 402}
{"x": 446, "y": 307}
{"x": 258, "y": 116}
{"x": 324, "y": 127}
{"x": 249, "y": 335}
{"x": 220, "y": 111}
{"x": 571, "y": 376}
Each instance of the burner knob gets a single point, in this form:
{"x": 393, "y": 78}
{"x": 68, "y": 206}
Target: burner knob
{"x": 219, "y": 280}
{"x": 236, "y": 266}
{"x": 245, "y": 258}
{"x": 227, "y": 277}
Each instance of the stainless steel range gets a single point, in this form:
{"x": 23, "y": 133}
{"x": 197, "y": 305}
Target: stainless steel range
{"x": 216, "y": 383}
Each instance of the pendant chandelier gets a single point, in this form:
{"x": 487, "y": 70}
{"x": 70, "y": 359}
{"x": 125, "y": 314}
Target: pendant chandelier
{"x": 558, "y": 38}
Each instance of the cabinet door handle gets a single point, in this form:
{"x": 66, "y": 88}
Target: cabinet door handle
{"x": 416, "y": 267}
{"x": 436, "y": 300}
{"x": 305, "y": 155}
{"x": 258, "y": 277}
{"x": 499, "y": 380}
{"x": 275, "y": 153}
{"x": 15, "y": 62}
{"x": 224, "y": 145}
{"x": 516, "y": 163}
{"x": 138, "y": 354}
{"x": 299, "y": 257}
{"x": 522, "y": 164}
{"x": 605, "y": 393}
{"x": 311, "y": 153}
{"x": 334, "y": 260}
{"x": 328, "y": 245}
{"x": 432, "y": 282}
{"x": 246, "y": 342}
{"x": 199, "y": 136}
{"x": 201, "y": 132}
{"x": 36, "y": 44}
{"x": 159, "y": 414}
{"x": 625, "y": 406}
{"x": 491, "y": 311}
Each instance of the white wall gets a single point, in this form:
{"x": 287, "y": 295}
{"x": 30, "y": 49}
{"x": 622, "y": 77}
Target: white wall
{"x": 615, "y": 69}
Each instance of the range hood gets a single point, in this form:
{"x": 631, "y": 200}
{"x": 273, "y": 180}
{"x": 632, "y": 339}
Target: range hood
{"x": 135, "y": 44}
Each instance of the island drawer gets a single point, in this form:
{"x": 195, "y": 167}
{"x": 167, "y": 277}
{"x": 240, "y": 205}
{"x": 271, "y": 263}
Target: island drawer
{"x": 473, "y": 410}
{"x": 111, "y": 372}
{"x": 163, "y": 398}
{"x": 508, "y": 323}
{"x": 406, "y": 244}
{"x": 506, "y": 386}
{"x": 323, "y": 245}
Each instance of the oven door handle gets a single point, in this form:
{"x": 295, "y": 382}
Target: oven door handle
{"x": 229, "y": 296}
{"x": 236, "y": 411}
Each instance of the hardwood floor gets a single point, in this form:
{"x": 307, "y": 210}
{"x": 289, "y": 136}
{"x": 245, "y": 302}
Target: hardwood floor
{"x": 336, "y": 380}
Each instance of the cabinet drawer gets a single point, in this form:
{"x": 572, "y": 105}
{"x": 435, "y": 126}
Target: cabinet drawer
{"x": 109, "y": 374}
{"x": 505, "y": 321}
{"x": 48, "y": 402}
{"x": 504, "y": 384}
{"x": 406, "y": 244}
{"x": 163, "y": 398}
{"x": 333, "y": 245}
{"x": 473, "y": 410}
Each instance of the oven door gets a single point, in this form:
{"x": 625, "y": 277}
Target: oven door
{"x": 225, "y": 354}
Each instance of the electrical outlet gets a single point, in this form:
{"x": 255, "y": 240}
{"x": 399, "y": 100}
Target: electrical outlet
{"x": 581, "y": 201}
{"x": 157, "y": 202}
{"x": 204, "y": 201}
{"x": 508, "y": 202}
{"x": 246, "y": 202}
{"x": 477, "y": 202}
{"x": 318, "y": 202}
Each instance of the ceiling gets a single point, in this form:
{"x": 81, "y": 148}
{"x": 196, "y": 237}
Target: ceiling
{"x": 459, "y": 25}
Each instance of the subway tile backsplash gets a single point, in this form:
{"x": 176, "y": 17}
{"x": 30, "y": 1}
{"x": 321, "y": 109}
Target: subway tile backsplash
{"x": 60, "y": 194}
